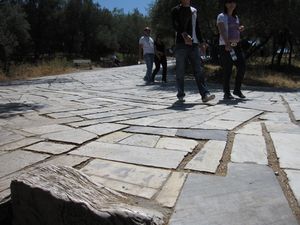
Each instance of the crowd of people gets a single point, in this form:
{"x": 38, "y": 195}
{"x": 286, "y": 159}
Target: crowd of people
{"x": 190, "y": 44}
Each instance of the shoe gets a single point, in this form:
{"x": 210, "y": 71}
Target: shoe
{"x": 181, "y": 100}
{"x": 228, "y": 97}
{"x": 208, "y": 97}
{"x": 239, "y": 94}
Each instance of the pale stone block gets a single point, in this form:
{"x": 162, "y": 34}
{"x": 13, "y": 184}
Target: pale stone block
{"x": 170, "y": 191}
{"x": 249, "y": 149}
{"x": 208, "y": 159}
{"x": 180, "y": 144}
{"x": 19, "y": 144}
{"x": 294, "y": 182}
{"x": 45, "y": 129}
{"x": 104, "y": 128}
{"x": 50, "y": 147}
{"x": 141, "y": 140}
{"x": 114, "y": 137}
{"x": 253, "y": 128}
{"x": 287, "y": 148}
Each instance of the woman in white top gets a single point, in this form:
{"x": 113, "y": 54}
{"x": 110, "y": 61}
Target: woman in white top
{"x": 230, "y": 49}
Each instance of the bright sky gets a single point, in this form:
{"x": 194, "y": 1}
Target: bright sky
{"x": 127, "y": 5}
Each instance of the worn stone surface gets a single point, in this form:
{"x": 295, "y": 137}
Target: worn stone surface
{"x": 287, "y": 148}
{"x": 152, "y": 130}
{"x": 180, "y": 144}
{"x": 249, "y": 149}
{"x": 294, "y": 182}
{"x": 132, "y": 154}
{"x": 17, "y": 160}
{"x": 249, "y": 194}
{"x": 61, "y": 195}
{"x": 104, "y": 128}
{"x": 199, "y": 134}
{"x": 208, "y": 159}
{"x": 50, "y": 147}
{"x": 169, "y": 193}
{"x": 141, "y": 140}
{"x": 253, "y": 128}
{"x": 114, "y": 137}
{"x": 19, "y": 144}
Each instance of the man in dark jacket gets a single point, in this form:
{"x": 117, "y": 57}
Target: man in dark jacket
{"x": 188, "y": 38}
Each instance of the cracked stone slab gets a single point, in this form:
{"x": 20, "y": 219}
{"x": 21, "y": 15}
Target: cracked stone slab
{"x": 287, "y": 148}
{"x": 208, "y": 159}
{"x": 132, "y": 154}
{"x": 75, "y": 136}
{"x": 152, "y": 130}
{"x": 131, "y": 178}
{"x": 170, "y": 191}
{"x": 202, "y": 134}
{"x": 238, "y": 114}
{"x": 249, "y": 194}
{"x": 104, "y": 128}
{"x": 144, "y": 140}
{"x": 219, "y": 124}
{"x": 50, "y": 147}
{"x": 249, "y": 149}
{"x": 294, "y": 182}
{"x": 276, "y": 117}
{"x": 16, "y": 160}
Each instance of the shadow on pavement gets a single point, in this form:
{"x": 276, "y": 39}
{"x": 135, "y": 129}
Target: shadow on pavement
{"x": 12, "y": 109}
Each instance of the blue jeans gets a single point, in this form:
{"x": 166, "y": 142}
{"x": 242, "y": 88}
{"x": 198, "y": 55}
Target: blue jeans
{"x": 149, "y": 59}
{"x": 192, "y": 53}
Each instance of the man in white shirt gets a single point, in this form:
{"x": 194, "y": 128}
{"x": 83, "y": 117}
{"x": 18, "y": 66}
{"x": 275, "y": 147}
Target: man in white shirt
{"x": 146, "y": 48}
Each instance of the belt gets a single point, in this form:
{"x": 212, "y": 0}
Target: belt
{"x": 233, "y": 44}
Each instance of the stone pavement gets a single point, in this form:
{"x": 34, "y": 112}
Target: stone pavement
{"x": 227, "y": 163}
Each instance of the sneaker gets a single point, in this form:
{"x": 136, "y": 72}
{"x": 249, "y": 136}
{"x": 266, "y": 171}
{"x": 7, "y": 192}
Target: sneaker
{"x": 228, "y": 97}
{"x": 208, "y": 97}
{"x": 181, "y": 100}
{"x": 239, "y": 94}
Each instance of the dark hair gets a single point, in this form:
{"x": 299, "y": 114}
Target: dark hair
{"x": 234, "y": 13}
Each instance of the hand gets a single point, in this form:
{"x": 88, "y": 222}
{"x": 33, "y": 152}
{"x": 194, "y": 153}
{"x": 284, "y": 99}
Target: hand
{"x": 228, "y": 47}
{"x": 188, "y": 40}
{"x": 241, "y": 28}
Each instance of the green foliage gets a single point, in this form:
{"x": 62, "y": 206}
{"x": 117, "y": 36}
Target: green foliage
{"x": 13, "y": 31}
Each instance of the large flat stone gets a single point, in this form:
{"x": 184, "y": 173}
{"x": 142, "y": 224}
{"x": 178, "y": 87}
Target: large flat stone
{"x": 180, "y": 144}
{"x": 19, "y": 144}
{"x": 114, "y": 137}
{"x": 253, "y": 128}
{"x": 152, "y": 130}
{"x": 141, "y": 140}
{"x": 249, "y": 194}
{"x": 104, "y": 128}
{"x": 294, "y": 182}
{"x": 170, "y": 191}
{"x": 208, "y": 159}
{"x": 249, "y": 149}
{"x": 75, "y": 136}
{"x": 45, "y": 129}
{"x": 50, "y": 147}
{"x": 132, "y": 154}
{"x": 280, "y": 127}
{"x": 16, "y": 160}
{"x": 201, "y": 134}
{"x": 287, "y": 148}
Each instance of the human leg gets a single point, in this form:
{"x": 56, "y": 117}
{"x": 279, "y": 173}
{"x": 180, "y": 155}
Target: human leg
{"x": 241, "y": 68}
{"x": 149, "y": 58}
{"x": 227, "y": 64}
{"x": 157, "y": 68}
{"x": 164, "y": 67}
{"x": 180, "y": 55}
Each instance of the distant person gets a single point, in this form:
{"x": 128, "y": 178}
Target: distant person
{"x": 160, "y": 58}
{"x": 115, "y": 60}
{"x": 188, "y": 38}
{"x": 146, "y": 49}
{"x": 230, "y": 48}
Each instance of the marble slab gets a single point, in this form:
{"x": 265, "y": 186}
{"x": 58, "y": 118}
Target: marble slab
{"x": 75, "y": 136}
{"x": 19, "y": 144}
{"x": 144, "y": 140}
{"x": 180, "y": 144}
{"x": 250, "y": 194}
{"x": 114, "y": 137}
{"x": 249, "y": 149}
{"x": 252, "y": 128}
{"x": 288, "y": 149}
{"x": 152, "y": 130}
{"x": 132, "y": 154}
{"x": 16, "y": 160}
{"x": 208, "y": 159}
{"x": 50, "y": 147}
{"x": 104, "y": 128}
{"x": 294, "y": 182}
{"x": 202, "y": 134}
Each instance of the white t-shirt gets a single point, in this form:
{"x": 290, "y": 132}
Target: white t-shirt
{"x": 194, "y": 19}
{"x": 148, "y": 45}
{"x": 223, "y": 18}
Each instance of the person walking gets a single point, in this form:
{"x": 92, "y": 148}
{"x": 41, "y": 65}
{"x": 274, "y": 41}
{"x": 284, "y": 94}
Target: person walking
{"x": 230, "y": 48}
{"x": 160, "y": 59}
{"x": 188, "y": 38}
{"x": 146, "y": 48}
